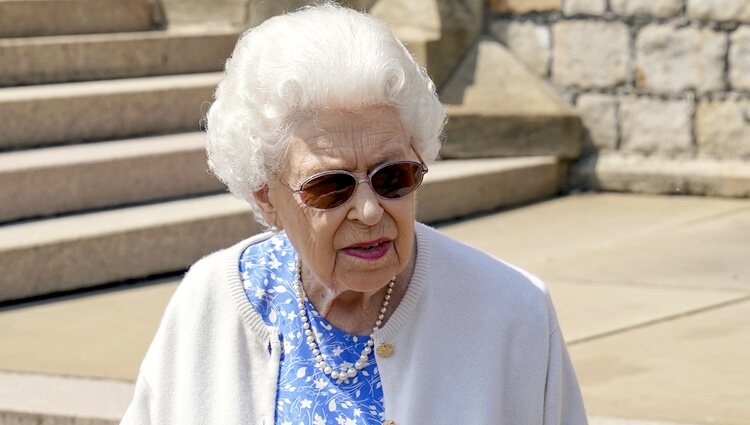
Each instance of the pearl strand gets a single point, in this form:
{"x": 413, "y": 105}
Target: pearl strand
{"x": 340, "y": 375}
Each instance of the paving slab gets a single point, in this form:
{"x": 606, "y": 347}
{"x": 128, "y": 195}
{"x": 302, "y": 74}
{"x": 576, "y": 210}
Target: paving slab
{"x": 102, "y": 334}
{"x": 711, "y": 253}
{"x": 536, "y": 235}
{"x": 692, "y": 370}
{"x": 621, "y": 308}
{"x": 605, "y": 420}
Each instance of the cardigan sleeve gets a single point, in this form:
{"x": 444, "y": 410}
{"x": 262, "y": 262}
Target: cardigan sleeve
{"x": 156, "y": 393}
{"x": 139, "y": 411}
{"x": 563, "y": 404}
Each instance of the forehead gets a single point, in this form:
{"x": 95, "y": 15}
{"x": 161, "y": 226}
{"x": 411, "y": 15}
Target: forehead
{"x": 345, "y": 140}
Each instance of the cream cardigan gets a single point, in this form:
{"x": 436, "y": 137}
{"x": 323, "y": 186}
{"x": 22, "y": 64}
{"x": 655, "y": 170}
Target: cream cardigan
{"x": 475, "y": 340}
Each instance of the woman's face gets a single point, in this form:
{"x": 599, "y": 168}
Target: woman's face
{"x": 331, "y": 243}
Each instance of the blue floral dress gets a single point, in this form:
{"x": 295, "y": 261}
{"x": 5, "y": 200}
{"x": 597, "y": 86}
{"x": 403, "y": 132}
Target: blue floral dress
{"x": 305, "y": 394}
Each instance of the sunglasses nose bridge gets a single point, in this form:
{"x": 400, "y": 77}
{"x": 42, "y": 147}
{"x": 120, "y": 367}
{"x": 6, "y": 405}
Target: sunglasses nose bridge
{"x": 365, "y": 180}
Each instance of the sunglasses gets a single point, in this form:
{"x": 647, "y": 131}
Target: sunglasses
{"x": 391, "y": 180}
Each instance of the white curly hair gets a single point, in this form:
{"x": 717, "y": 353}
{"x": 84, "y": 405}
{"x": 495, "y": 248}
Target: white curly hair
{"x": 324, "y": 57}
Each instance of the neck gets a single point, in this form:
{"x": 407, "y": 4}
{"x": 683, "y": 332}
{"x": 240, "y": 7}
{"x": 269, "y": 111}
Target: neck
{"x": 352, "y": 311}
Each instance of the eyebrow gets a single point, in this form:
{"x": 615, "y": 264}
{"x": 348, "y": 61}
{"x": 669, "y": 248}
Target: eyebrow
{"x": 380, "y": 159}
{"x": 383, "y": 157}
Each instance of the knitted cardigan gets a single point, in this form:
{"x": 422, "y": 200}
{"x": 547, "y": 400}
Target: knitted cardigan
{"x": 475, "y": 340}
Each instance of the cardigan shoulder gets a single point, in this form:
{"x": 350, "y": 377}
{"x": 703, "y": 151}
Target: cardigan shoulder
{"x": 210, "y": 347}
{"x": 484, "y": 283}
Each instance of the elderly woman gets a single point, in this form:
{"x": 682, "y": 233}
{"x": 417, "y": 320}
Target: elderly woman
{"x": 346, "y": 311}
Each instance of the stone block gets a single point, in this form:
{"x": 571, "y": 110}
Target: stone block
{"x": 56, "y": 17}
{"x": 191, "y": 12}
{"x": 437, "y": 32}
{"x": 465, "y": 187}
{"x": 476, "y": 135}
{"x": 590, "y": 54}
{"x": 80, "y": 251}
{"x": 497, "y": 107}
{"x": 658, "y": 8}
{"x": 524, "y": 6}
{"x": 739, "y": 59}
{"x": 719, "y": 10}
{"x": 722, "y": 129}
{"x": 31, "y": 396}
{"x": 530, "y": 43}
{"x": 239, "y": 12}
{"x": 40, "y": 60}
{"x": 655, "y": 126}
{"x": 670, "y": 60}
{"x": 599, "y": 115}
{"x": 659, "y": 175}
{"x": 98, "y": 110}
{"x": 584, "y": 7}
{"x": 40, "y": 182}
{"x": 260, "y": 10}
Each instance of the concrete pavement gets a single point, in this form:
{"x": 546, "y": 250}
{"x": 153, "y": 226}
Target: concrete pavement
{"x": 653, "y": 295}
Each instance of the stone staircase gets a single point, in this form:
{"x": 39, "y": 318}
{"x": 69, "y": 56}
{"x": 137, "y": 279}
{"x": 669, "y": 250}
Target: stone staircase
{"x": 102, "y": 169}
{"x": 103, "y": 178}
{"x": 101, "y": 163}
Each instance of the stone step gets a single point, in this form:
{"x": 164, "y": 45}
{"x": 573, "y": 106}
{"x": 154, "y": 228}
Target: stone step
{"x": 28, "y": 398}
{"x": 42, "y": 60}
{"x": 80, "y": 251}
{"x": 99, "y": 110}
{"x": 62, "y": 179}
{"x": 29, "y": 18}
{"x": 498, "y": 107}
{"x": 635, "y": 173}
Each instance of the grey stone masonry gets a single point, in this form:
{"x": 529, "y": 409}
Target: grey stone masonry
{"x": 599, "y": 114}
{"x": 529, "y": 42}
{"x": 670, "y": 60}
{"x": 658, "y": 8}
{"x": 723, "y": 129}
{"x": 584, "y": 7}
{"x": 524, "y": 6}
{"x": 655, "y": 126}
{"x": 739, "y": 59}
{"x": 590, "y": 54}
{"x": 719, "y": 10}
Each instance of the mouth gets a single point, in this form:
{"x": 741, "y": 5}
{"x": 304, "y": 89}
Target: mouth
{"x": 370, "y": 250}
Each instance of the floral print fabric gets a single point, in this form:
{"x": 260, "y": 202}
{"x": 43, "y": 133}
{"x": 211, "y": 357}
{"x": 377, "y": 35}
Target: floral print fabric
{"x": 305, "y": 394}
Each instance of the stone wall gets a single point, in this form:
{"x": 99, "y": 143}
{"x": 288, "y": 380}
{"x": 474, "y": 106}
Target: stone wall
{"x": 657, "y": 79}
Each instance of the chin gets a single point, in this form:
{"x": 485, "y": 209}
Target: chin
{"x": 370, "y": 279}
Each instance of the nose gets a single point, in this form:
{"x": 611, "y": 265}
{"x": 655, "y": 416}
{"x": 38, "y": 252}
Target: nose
{"x": 365, "y": 205}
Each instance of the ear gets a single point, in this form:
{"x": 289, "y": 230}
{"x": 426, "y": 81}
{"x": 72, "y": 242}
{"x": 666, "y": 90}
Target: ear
{"x": 267, "y": 208}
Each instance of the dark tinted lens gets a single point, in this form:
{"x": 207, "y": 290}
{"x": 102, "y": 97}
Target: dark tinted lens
{"x": 328, "y": 191}
{"x": 397, "y": 180}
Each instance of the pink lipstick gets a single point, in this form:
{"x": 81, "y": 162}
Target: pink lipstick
{"x": 371, "y": 250}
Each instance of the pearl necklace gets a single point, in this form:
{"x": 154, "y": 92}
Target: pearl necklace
{"x": 342, "y": 374}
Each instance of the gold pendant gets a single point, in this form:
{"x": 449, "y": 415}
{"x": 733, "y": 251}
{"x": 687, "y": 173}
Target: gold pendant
{"x": 384, "y": 350}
